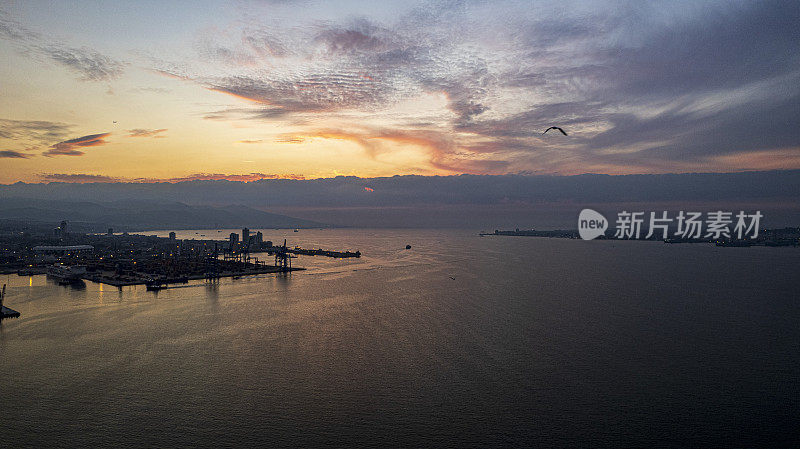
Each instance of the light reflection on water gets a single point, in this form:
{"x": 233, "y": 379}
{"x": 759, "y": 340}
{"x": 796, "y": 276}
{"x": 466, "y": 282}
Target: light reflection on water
{"x": 460, "y": 340}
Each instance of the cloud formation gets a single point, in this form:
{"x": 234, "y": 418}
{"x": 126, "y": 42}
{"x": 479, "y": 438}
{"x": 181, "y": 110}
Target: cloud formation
{"x": 444, "y": 87}
{"x": 248, "y": 177}
{"x": 33, "y": 132}
{"x": 139, "y": 132}
{"x": 79, "y": 178}
{"x": 95, "y": 178}
{"x": 290, "y": 139}
{"x": 11, "y": 154}
{"x": 72, "y": 147}
{"x": 640, "y": 88}
{"x": 90, "y": 64}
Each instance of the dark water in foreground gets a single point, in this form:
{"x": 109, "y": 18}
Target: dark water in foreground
{"x": 536, "y": 342}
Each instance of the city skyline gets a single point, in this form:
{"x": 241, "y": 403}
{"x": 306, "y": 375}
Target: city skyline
{"x": 260, "y": 90}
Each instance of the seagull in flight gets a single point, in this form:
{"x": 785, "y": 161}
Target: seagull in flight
{"x": 555, "y": 127}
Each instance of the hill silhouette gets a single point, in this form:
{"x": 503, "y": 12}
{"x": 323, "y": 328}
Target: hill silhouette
{"x": 144, "y": 215}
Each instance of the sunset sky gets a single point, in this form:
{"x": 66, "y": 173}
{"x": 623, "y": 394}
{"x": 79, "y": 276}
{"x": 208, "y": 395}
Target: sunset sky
{"x": 246, "y": 90}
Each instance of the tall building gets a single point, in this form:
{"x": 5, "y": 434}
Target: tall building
{"x": 234, "y": 238}
{"x": 110, "y": 231}
{"x": 245, "y": 236}
{"x": 259, "y": 238}
{"x": 172, "y": 235}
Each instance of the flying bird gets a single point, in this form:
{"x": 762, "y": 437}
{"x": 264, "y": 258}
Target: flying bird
{"x": 555, "y": 127}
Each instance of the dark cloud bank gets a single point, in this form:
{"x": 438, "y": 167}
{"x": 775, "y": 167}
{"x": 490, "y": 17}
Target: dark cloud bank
{"x": 467, "y": 201}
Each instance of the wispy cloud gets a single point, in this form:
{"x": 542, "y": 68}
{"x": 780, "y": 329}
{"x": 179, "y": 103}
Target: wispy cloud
{"x": 72, "y": 147}
{"x": 33, "y": 132}
{"x": 446, "y": 154}
{"x": 157, "y": 90}
{"x": 291, "y": 139}
{"x": 240, "y": 177}
{"x": 13, "y": 30}
{"x": 90, "y": 64}
{"x": 248, "y": 177}
{"x": 140, "y": 132}
{"x": 254, "y": 113}
{"x": 251, "y": 141}
{"x": 76, "y": 178}
{"x": 11, "y": 154}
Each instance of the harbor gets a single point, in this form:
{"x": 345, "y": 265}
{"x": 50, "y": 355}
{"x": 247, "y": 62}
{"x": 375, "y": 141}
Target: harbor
{"x": 121, "y": 260}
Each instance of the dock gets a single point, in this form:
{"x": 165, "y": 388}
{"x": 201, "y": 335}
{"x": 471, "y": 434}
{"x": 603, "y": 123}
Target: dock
{"x": 5, "y": 312}
{"x": 110, "y": 278}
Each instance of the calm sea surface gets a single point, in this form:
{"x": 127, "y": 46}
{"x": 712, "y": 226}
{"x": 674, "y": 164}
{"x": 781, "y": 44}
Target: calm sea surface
{"x": 460, "y": 341}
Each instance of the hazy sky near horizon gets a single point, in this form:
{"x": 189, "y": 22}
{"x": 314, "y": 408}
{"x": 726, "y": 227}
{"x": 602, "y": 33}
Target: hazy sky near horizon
{"x": 257, "y": 89}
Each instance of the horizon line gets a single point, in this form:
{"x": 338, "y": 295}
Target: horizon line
{"x": 247, "y": 178}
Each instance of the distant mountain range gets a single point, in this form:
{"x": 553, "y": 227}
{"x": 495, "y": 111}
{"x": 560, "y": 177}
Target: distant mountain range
{"x": 465, "y": 201}
{"x": 134, "y": 215}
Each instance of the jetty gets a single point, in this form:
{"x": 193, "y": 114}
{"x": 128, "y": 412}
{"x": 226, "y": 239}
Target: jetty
{"x": 557, "y": 233}
{"x": 323, "y": 252}
{"x": 153, "y": 281}
{"x": 5, "y": 312}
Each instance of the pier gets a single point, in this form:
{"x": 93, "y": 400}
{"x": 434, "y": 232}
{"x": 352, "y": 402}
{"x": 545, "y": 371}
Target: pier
{"x": 154, "y": 281}
{"x": 5, "y": 312}
{"x": 323, "y": 252}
